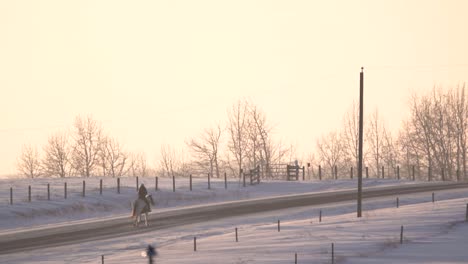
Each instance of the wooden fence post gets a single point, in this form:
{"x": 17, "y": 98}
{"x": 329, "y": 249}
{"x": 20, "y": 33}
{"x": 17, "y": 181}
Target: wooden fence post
{"x": 118, "y": 185}
{"x": 367, "y": 172}
{"x": 401, "y": 235}
{"x": 100, "y": 188}
{"x": 190, "y": 182}
{"x": 194, "y": 243}
{"x": 320, "y": 216}
{"x": 65, "y": 190}
{"x": 433, "y": 197}
{"x": 209, "y": 183}
{"x": 243, "y": 176}
{"x": 352, "y": 172}
{"x": 398, "y": 172}
{"x": 29, "y": 193}
{"x": 295, "y": 258}
{"x": 303, "y": 173}
{"x": 11, "y": 195}
{"x": 333, "y": 254}
{"x": 237, "y": 240}
{"x": 320, "y": 172}
{"x": 466, "y": 217}
{"x": 258, "y": 173}
{"x": 48, "y": 191}
{"x": 156, "y": 183}
{"x": 137, "y": 183}
{"x": 383, "y": 172}
{"x": 102, "y": 259}
{"x": 397, "y": 202}
{"x": 336, "y": 172}
{"x": 279, "y": 225}
{"x": 414, "y": 177}
{"x": 173, "y": 183}
{"x": 225, "y": 181}
{"x": 84, "y": 184}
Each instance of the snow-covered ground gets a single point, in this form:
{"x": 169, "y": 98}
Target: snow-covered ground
{"x": 42, "y": 211}
{"x": 433, "y": 232}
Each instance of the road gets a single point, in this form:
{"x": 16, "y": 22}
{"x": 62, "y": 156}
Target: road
{"x": 117, "y": 227}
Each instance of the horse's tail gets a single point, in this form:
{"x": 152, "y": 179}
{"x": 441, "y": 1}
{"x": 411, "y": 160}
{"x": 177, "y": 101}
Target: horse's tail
{"x": 132, "y": 204}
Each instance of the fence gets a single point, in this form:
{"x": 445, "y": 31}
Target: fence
{"x": 409, "y": 173}
{"x": 39, "y": 189}
{"x": 289, "y": 172}
{"x": 254, "y": 175}
{"x": 293, "y": 172}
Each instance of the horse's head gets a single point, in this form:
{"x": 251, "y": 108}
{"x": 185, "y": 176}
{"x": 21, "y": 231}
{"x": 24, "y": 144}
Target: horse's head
{"x": 150, "y": 199}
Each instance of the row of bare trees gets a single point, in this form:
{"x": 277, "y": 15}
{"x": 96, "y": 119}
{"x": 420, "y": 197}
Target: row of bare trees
{"x": 86, "y": 151}
{"x": 245, "y": 142}
{"x": 433, "y": 139}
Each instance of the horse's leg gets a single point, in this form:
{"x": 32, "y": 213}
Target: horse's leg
{"x": 146, "y": 219}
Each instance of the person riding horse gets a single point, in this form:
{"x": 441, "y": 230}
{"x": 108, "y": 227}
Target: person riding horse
{"x": 142, "y": 192}
{"x": 141, "y": 206}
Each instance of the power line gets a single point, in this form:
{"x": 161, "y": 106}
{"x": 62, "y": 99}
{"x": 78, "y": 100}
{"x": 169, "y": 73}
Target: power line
{"x": 406, "y": 67}
{"x": 6, "y": 130}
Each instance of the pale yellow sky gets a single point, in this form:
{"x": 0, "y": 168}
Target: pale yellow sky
{"x": 159, "y": 72}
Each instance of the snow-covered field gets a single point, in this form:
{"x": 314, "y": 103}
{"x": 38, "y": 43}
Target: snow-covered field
{"x": 433, "y": 232}
{"x": 110, "y": 204}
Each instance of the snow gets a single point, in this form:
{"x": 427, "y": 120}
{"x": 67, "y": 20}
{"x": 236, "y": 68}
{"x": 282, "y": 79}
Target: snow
{"x": 433, "y": 232}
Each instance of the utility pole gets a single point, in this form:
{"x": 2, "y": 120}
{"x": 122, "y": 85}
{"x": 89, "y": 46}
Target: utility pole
{"x": 361, "y": 125}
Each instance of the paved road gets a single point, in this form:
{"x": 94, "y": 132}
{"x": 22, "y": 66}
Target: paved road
{"x": 116, "y": 227}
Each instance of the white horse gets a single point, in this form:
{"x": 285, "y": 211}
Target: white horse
{"x": 140, "y": 207}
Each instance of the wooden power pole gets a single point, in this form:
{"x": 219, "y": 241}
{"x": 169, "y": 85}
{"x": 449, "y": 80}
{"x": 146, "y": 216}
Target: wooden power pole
{"x": 361, "y": 125}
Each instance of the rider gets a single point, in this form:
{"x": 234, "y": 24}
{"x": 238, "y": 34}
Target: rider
{"x": 142, "y": 192}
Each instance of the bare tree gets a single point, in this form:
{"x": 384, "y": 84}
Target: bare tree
{"x": 138, "y": 165}
{"x": 57, "y": 156}
{"x": 442, "y": 129}
{"x": 330, "y": 150}
{"x": 261, "y": 141}
{"x": 29, "y": 163}
{"x": 375, "y": 135}
{"x": 350, "y": 136}
{"x": 173, "y": 163}
{"x": 88, "y": 137}
{"x": 168, "y": 161}
{"x": 114, "y": 157}
{"x": 438, "y": 131}
{"x": 206, "y": 149}
{"x": 409, "y": 150}
{"x": 389, "y": 152}
{"x": 421, "y": 120}
{"x": 237, "y": 128}
{"x": 460, "y": 116}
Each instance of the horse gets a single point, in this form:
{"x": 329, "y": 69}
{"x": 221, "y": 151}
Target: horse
{"x": 140, "y": 207}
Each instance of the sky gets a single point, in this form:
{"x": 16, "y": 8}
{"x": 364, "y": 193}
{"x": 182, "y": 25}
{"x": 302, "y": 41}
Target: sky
{"x": 433, "y": 232}
{"x": 160, "y": 72}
